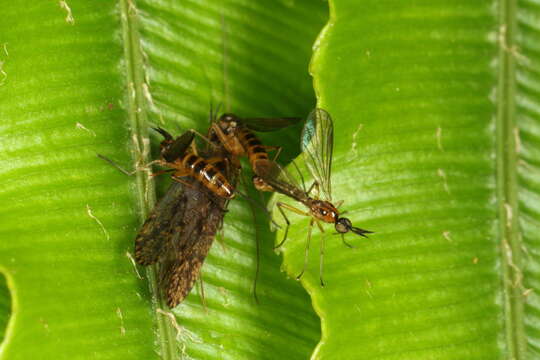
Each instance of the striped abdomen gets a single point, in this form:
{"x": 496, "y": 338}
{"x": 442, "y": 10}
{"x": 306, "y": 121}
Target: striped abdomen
{"x": 252, "y": 145}
{"x": 208, "y": 175}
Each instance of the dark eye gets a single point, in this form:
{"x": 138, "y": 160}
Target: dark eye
{"x": 324, "y": 212}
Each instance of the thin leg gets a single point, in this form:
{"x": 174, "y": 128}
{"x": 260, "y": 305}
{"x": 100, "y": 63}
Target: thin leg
{"x": 161, "y": 172}
{"x": 302, "y": 180}
{"x": 183, "y": 182}
{"x": 203, "y": 299}
{"x": 271, "y": 148}
{"x": 346, "y": 243}
{"x": 124, "y": 171}
{"x": 306, "y": 251}
{"x": 282, "y": 206}
{"x": 194, "y": 148}
{"x": 257, "y": 252}
{"x": 113, "y": 163}
{"x": 257, "y": 242}
{"x": 286, "y": 227}
{"x": 315, "y": 185}
{"x": 321, "y": 260}
{"x": 203, "y": 137}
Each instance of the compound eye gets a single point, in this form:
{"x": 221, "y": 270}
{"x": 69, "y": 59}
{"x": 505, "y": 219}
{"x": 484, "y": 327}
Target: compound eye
{"x": 341, "y": 229}
{"x": 323, "y": 212}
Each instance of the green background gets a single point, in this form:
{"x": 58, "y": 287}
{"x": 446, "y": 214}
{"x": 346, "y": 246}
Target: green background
{"x": 437, "y": 143}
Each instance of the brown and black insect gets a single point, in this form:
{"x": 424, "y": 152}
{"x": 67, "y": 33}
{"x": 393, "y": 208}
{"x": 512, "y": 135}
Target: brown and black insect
{"x": 317, "y": 148}
{"x": 182, "y": 226}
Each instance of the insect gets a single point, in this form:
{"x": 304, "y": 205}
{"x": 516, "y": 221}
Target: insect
{"x": 175, "y": 155}
{"x": 182, "y": 226}
{"x": 317, "y": 148}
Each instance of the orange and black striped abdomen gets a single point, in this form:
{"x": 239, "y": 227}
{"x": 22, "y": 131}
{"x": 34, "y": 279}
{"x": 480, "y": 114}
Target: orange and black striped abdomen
{"x": 253, "y": 146}
{"x": 208, "y": 175}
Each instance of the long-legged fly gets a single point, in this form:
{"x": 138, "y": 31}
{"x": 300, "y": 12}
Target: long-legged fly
{"x": 317, "y": 148}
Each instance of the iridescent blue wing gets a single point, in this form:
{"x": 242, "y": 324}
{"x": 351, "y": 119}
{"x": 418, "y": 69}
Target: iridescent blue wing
{"x": 317, "y": 143}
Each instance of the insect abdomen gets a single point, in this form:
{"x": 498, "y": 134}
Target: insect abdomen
{"x": 253, "y": 146}
{"x": 209, "y": 176}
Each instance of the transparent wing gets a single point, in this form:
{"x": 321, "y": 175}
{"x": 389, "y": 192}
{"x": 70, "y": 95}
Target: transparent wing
{"x": 269, "y": 124}
{"x": 280, "y": 180}
{"x": 317, "y": 143}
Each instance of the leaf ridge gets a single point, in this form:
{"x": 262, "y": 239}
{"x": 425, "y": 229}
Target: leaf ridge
{"x": 507, "y": 184}
{"x": 137, "y": 116}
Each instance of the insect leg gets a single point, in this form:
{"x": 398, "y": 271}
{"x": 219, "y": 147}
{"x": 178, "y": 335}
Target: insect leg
{"x": 257, "y": 244}
{"x": 204, "y": 138}
{"x": 306, "y": 251}
{"x": 301, "y": 177}
{"x": 161, "y": 172}
{"x": 124, "y": 171}
{"x": 113, "y": 163}
{"x": 203, "y": 299}
{"x": 282, "y": 206}
{"x": 230, "y": 143}
{"x": 321, "y": 254}
{"x": 315, "y": 185}
{"x": 183, "y": 182}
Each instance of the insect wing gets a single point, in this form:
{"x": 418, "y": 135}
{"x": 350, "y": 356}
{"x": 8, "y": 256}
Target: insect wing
{"x": 192, "y": 239}
{"x": 193, "y": 234}
{"x": 280, "y": 179}
{"x": 269, "y": 124}
{"x": 178, "y": 147}
{"x": 317, "y": 143}
{"x": 157, "y": 229}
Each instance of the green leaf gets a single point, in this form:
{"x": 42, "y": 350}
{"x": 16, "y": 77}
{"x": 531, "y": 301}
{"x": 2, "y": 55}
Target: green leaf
{"x": 435, "y": 105}
{"x": 437, "y": 134}
{"x": 81, "y": 78}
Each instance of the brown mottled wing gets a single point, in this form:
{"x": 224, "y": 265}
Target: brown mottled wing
{"x": 202, "y": 217}
{"x": 157, "y": 229}
{"x": 193, "y": 237}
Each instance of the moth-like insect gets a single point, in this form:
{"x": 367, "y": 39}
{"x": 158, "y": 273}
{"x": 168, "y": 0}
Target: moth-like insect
{"x": 181, "y": 228}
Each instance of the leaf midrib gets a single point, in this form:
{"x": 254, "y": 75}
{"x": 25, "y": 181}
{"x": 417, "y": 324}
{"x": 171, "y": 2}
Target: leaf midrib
{"x": 137, "y": 116}
{"x": 507, "y": 185}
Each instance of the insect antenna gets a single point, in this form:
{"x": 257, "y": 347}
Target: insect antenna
{"x": 345, "y": 242}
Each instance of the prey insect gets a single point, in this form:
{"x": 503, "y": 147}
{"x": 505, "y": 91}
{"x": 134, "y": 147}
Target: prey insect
{"x": 182, "y": 226}
{"x": 317, "y": 148}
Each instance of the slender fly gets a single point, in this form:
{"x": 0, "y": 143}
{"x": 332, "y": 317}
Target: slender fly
{"x": 317, "y": 148}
